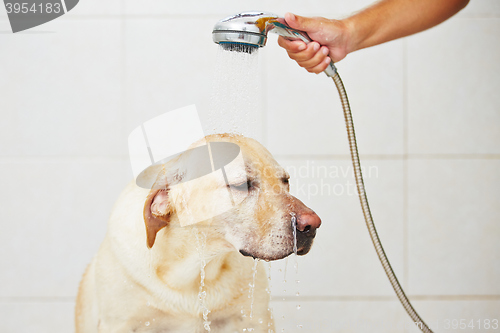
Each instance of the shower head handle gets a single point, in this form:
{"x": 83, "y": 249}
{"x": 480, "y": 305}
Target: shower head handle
{"x": 251, "y": 28}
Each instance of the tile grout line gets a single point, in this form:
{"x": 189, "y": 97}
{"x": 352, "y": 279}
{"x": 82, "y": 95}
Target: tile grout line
{"x": 366, "y": 298}
{"x": 62, "y": 159}
{"x": 392, "y": 156}
{"x": 406, "y": 192}
{"x": 312, "y": 298}
{"x": 395, "y": 157}
{"x": 21, "y": 299}
{"x": 213, "y": 16}
{"x": 123, "y": 74}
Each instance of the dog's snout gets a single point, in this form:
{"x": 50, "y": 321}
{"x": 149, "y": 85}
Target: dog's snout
{"x": 308, "y": 222}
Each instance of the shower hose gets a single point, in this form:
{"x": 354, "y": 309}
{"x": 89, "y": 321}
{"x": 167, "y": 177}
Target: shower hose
{"x": 366, "y": 209}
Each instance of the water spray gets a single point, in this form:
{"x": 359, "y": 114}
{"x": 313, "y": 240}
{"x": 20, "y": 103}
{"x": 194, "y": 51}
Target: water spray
{"x": 246, "y": 32}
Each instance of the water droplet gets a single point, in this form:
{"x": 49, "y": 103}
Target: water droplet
{"x": 298, "y": 307}
{"x": 147, "y": 323}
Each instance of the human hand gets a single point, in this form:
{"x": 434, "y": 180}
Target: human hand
{"x": 330, "y": 42}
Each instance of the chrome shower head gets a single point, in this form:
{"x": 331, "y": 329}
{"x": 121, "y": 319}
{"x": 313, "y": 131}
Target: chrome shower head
{"x": 247, "y": 31}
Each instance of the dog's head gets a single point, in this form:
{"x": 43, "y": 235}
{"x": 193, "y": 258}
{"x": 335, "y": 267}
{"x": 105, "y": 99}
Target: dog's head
{"x": 264, "y": 216}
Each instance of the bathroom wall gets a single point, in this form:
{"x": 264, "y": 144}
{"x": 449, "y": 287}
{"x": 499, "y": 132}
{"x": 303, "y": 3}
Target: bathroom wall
{"x": 427, "y": 116}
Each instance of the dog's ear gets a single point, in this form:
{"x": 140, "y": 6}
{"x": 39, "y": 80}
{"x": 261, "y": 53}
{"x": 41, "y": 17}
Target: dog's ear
{"x": 157, "y": 210}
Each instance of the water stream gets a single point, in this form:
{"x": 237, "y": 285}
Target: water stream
{"x": 268, "y": 290}
{"x": 201, "y": 242}
{"x": 251, "y": 290}
{"x": 236, "y": 104}
{"x": 296, "y": 262}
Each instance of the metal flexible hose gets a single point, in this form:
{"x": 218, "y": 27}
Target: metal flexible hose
{"x": 366, "y": 209}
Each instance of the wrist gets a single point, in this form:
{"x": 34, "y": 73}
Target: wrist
{"x": 351, "y": 35}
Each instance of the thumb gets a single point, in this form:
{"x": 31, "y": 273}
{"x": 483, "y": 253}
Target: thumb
{"x": 300, "y": 22}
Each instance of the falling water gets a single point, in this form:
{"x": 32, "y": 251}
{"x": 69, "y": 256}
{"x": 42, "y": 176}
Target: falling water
{"x": 269, "y": 324}
{"x": 236, "y": 99}
{"x": 251, "y": 290}
{"x": 296, "y": 263}
{"x": 236, "y": 107}
{"x": 201, "y": 242}
{"x": 294, "y": 231}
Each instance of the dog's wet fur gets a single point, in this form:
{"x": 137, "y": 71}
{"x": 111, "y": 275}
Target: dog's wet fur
{"x": 146, "y": 274}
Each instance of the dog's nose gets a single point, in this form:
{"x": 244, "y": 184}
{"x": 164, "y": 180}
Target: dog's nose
{"x": 308, "y": 222}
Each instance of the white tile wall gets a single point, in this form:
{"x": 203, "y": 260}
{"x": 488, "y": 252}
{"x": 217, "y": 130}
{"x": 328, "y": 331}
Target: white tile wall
{"x": 158, "y": 77}
{"x": 229, "y": 7}
{"x": 453, "y": 227}
{"x": 304, "y": 104}
{"x": 53, "y": 218}
{"x": 325, "y": 316}
{"x": 481, "y": 8}
{"x": 96, "y": 7}
{"x": 340, "y": 316}
{"x": 39, "y": 317}
{"x": 461, "y": 316}
{"x": 453, "y": 88}
{"x": 4, "y": 22}
{"x": 426, "y": 111}
{"x": 61, "y": 90}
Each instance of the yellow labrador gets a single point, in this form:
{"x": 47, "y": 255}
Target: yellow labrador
{"x": 146, "y": 274}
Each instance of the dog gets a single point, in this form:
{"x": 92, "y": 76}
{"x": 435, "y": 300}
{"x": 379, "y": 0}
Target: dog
{"x": 154, "y": 274}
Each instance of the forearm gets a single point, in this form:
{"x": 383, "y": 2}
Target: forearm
{"x": 391, "y": 19}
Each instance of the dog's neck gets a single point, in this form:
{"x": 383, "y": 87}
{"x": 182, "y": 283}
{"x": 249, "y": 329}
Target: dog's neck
{"x": 179, "y": 254}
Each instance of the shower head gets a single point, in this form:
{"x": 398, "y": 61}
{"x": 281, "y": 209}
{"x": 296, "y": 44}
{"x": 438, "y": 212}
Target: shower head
{"x": 251, "y": 28}
{"x": 247, "y": 31}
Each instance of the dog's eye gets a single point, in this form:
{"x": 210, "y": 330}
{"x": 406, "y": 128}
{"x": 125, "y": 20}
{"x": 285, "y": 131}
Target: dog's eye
{"x": 242, "y": 186}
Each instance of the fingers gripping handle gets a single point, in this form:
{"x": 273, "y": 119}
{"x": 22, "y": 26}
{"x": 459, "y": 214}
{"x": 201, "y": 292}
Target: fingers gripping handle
{"x": 284, "y": 30}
